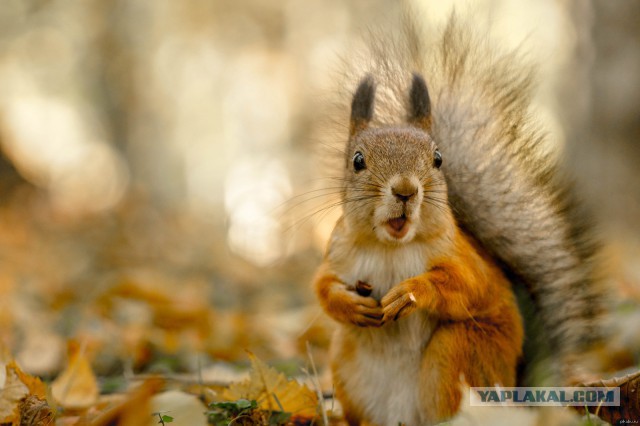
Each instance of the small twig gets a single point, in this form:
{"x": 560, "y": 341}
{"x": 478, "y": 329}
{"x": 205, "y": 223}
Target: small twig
{"x": 277, "y": 401}
{"x": 161, "y": 417}
{"x": 200, "y": 377}
{"x": 316, "y": 384}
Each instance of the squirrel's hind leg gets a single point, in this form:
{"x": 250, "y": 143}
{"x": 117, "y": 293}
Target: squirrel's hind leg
{"x": 460, "y": 354}
{"x": 350, "y": 413}
{"x": 440, "y": 386}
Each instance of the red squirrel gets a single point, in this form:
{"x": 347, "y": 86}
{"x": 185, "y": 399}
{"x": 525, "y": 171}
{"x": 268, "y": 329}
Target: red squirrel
{"x": 440, "y": 313}
{"x": 451, "y": 204}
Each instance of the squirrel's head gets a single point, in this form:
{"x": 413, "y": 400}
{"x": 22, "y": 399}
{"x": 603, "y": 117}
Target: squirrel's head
{"x": 394, "y": 191}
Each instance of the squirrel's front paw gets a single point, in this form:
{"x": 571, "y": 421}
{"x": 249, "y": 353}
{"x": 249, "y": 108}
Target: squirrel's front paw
{"x": 398, "y": 303}
{"x": 349, "y": 307}
{"x": 367, "y": 312}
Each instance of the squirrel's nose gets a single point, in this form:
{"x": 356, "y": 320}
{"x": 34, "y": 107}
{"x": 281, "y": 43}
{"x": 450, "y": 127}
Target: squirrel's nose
{"x": 404, "y": 198}
{"x": 404, "y": 190}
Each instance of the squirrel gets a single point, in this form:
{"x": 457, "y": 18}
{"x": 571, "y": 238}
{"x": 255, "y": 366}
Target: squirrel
{"x": 447, "y": 207}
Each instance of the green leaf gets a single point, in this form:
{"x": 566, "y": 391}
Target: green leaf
{"x": 278, "y": 418}
{"x": 167, "y": 419}
{"x": 234, "y": 406}
{"x": 221, "y": 413}
{"x": 245, "y": 403}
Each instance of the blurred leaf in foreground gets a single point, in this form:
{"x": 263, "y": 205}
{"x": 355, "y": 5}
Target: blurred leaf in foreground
{"x": 22, "y": 398}
{"x": 12, "y": 392}
{"x": 135, "y": 409}
{"x": 76, "y": 388}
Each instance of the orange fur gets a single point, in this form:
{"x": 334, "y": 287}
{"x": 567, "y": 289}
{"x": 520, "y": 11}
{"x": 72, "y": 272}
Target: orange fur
{"x": 345, "y": 305}
{"x": 478, "y": 335}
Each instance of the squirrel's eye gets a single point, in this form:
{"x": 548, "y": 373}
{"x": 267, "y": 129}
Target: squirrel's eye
{"x": 437, "y": 159}
{"x": 358, "y": 162}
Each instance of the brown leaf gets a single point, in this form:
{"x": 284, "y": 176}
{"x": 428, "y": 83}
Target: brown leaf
{"x": 135, "y": 410}
{"x": 10, "y": 395}
{"x": 35, "y": 411}
{"x": 76, "y": 388}
{"x": 34, "y": 384}
{"x": 273, "y": 391}
{"x": 22, "y": 397}
{"x": 629, "y": 408}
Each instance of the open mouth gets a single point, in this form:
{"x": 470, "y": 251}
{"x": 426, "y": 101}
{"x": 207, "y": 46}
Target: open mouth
{"x": 398, "y": 227}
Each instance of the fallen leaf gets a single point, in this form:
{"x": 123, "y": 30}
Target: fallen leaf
{"x": 76, "y": 388}
{"x": 23, "y": 397}
{"x": 11, "y": 393}
{"x": 135, "y": 410}
{"x": 273, "y": 391}
{"x": 35, "y": 411}
{"x": 629, "y": 409}
{"x": 34, "y": 384}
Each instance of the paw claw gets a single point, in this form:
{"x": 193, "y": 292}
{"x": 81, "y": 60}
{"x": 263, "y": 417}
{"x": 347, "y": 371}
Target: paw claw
{"x": 398, "y": 304}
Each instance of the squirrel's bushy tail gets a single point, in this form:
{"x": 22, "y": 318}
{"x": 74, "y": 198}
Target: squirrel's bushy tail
{"x": 504, "y": 186}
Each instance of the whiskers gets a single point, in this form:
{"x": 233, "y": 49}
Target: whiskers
{"x": 435, "y": 193}
{"x": 317, "y": 204}
{"x": 356, "y": 199}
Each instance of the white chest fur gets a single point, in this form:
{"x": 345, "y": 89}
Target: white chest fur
{"x": 383, "y": 376}
{"x": 383, "y": 267}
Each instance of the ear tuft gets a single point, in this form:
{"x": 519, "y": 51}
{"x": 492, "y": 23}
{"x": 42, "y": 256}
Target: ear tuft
{"x": 362, "y": 104}
{"x": 419, "y": 103}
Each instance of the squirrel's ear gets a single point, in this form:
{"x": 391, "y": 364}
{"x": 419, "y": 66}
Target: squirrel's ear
{"x": 419, "y": 103}
{"x": 362, "y": 105}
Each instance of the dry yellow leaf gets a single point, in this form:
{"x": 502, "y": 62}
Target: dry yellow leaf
{"x": 18, "y": 396}
{"x": 34, "y": 384}
{"x": 11, "y": 393}
{"x": 35, "y": 411}
{"x": 135, "y": 409}
{"x": 266, "y": 384}
{"x": 76, "y": 387}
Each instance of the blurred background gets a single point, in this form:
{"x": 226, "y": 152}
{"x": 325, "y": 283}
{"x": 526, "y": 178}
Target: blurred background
{"x": 157, "y": 163}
